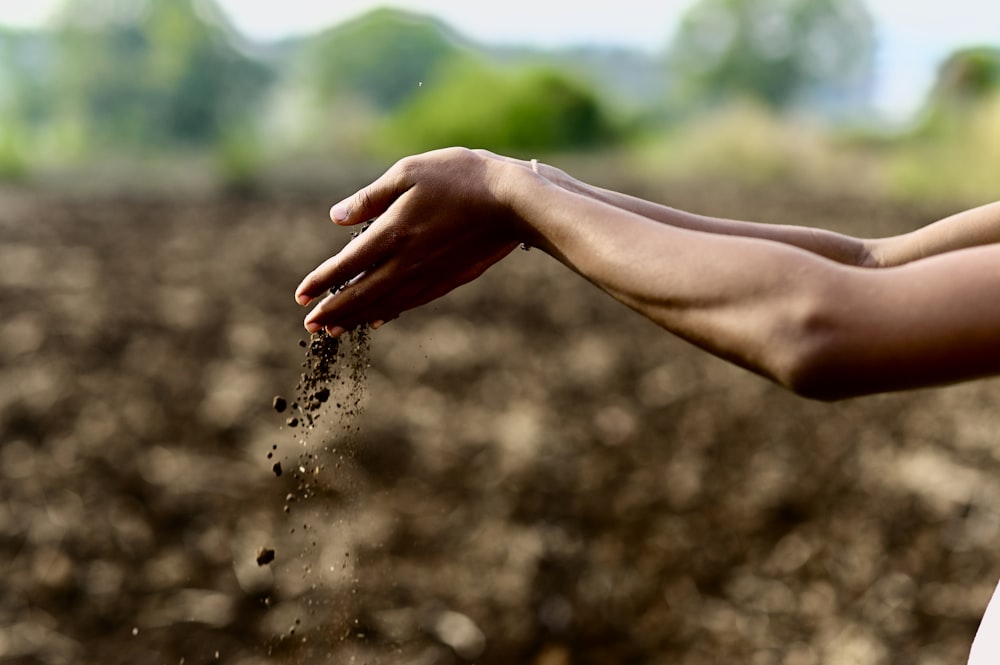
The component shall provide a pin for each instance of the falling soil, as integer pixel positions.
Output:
(331, 365)
(328, 398)
(265, 556)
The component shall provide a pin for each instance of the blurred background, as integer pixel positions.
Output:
(773, 90)
(537, 475)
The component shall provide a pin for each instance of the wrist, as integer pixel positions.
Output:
(527, 193)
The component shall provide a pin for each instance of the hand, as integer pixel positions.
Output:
(440, 220)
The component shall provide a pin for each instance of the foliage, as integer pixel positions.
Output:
(13, 160)
(781, 52)
(966, 80)
(380, 57)
(25, 68)
(238, 157)
(145, 79)
(478, 105)
(954, 149)
(152, 73)
(746, 142)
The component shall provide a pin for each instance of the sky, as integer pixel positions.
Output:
(914, 35)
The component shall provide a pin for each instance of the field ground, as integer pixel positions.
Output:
(540, 476)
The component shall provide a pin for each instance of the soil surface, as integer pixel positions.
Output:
(522, 472)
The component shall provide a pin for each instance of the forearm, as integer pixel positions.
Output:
(817, 327)
(737, 297)
(970, 228)
(828, 244)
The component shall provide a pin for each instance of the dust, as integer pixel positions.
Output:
(321, 418)
(330, 395)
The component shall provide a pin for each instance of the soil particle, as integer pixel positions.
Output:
(330, 364)
(330, 394)
(265, 555)
(279, 404)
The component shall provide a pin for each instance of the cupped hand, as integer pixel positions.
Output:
(439, 220)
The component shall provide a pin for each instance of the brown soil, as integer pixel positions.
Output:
(538, 475)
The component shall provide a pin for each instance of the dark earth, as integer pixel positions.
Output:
(522, 472)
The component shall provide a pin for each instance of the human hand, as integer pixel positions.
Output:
(440, 220)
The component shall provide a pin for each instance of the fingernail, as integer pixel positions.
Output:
(375, 325)
(334, 331)
(339, 212)
(312, 326)
(303, 299)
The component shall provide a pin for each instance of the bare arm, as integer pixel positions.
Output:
(971, 228)
(829, 244)
(815, 325)
(818, 327)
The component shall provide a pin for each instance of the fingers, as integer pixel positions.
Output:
(332, 314)
(362, 252)
(366, 299)
(375, 199)
(351, 261)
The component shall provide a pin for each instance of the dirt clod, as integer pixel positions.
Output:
(265, 555)
(277, 469)
(279, 404)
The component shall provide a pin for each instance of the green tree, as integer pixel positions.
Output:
(483, 106)
(153, 73)
(381, 57)
(783, 52)
(958, 133)
(25, 98)
(965, 80)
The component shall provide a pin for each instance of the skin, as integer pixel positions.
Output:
(826, 315)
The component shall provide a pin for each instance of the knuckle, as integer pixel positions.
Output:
(408, 168)
(311, 285)
(365, 200)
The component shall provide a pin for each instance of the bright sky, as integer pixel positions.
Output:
(915, 34)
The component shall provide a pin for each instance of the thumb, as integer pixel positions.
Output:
(370, 202)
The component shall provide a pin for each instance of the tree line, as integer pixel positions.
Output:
(140, 77)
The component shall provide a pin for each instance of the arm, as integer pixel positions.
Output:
(819, 327)
(971, 228)
(834, 246)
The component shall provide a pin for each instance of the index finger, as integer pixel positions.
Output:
(361, 253)
(373, 200)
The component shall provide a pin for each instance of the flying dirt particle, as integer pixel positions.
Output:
(135, 631)
(292, 421)
(279, 403)
(265, 555)
(277, 469)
